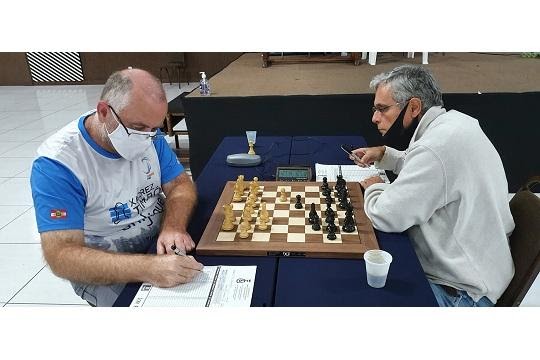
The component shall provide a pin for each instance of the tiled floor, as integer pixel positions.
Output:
(28, 115)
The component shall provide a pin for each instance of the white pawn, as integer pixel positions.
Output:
(283, 197)
(244, 228)
(264, 212)
(262, 223)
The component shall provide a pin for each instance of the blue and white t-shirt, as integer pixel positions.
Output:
(76, 184)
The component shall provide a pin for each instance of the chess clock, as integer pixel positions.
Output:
(293, 173)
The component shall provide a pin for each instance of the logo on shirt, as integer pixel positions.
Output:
(147, 168)
(58, 213)
(119, 212)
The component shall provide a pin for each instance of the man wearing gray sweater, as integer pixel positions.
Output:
(451, 193)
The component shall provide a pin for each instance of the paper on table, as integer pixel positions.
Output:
(214, 286)
(349, 172)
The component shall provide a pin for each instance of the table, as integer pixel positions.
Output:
(268, 58)
(285, 281)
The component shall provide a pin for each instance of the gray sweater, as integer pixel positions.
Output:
(452, 197)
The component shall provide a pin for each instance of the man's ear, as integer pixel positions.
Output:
(416, 106)
(102, 110)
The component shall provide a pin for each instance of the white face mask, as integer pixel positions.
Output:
(129, 143)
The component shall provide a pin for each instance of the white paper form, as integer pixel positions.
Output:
(214, 286)
(349, 172)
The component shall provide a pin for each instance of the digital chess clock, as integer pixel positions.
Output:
(293, 173)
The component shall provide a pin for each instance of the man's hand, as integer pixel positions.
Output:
(172, 270)
(370, 181)
(367, 156)
(168, 238)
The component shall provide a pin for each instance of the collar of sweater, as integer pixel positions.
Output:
(430, 115)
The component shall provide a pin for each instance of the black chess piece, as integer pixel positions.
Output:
(348, 228)
(330, 217)
(343, 203)
(331, 226)
(326, 192)
(328, 199)
(324, 183)
(298, 204)
(312, 213)
(328, 210)
(339, 182)
(348, 223)
(331, 235)
(343, 183)
(316, 226)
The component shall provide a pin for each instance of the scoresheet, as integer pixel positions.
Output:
(349, 172)
(214, 286)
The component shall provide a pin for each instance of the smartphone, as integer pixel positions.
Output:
(349, 150)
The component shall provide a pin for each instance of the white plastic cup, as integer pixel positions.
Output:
(377, 265)
(251, 136)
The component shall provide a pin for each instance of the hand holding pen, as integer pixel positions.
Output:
(177, 251)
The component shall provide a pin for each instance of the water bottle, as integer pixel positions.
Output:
(204, 87)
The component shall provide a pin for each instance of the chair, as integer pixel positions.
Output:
(175, 114)
(524, 243)
(179, 65)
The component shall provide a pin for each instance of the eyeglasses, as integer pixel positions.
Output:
(150, 135)
(384, 108)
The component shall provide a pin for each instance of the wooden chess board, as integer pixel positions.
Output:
(289, 232)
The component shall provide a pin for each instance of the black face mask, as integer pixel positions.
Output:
(397, 136)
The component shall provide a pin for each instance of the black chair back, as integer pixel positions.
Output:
(524, 243)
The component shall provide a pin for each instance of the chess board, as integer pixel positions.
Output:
(289, 232)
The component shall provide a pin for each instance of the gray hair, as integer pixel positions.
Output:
(117, 90)
(407, 81)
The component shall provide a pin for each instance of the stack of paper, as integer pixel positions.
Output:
(349, 172)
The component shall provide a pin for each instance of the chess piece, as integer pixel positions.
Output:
(249, 208)
(329, 211)
(262, 223)
(330, 217)
(328, 199)
(229, 218)
(244, 228)
(298, 204)
(264, 212)
(283, 196)
(316, 226)
(240, 180)
(245, 184)
(324, 183)
(343, 203)
(331, 235)
(312, 213)
(253, 199)
(246, 215)
(340, 183)
(331, 227)
(254, 185)
(251, 149)
(238, 191)
(326, 192)
(348, 225)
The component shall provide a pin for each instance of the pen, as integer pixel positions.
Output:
(180, 253)
(177, 251)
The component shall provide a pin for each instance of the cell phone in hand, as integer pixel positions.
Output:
(349, 150)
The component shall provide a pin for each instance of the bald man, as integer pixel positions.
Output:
(107, 187)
